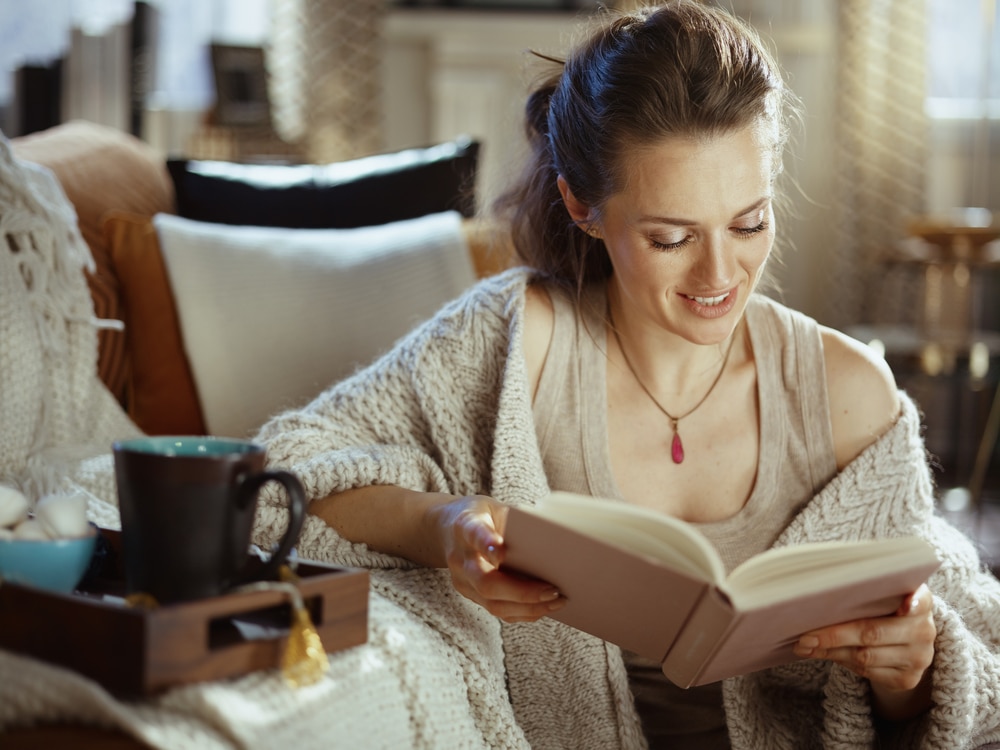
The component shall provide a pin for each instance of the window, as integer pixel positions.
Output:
(963, 60)
(963, 104)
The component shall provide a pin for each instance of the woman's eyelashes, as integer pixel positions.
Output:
(750, 231)
(671, 244)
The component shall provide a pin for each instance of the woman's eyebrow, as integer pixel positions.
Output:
(676, 222)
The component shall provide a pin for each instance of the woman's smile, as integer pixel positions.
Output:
(708, 306)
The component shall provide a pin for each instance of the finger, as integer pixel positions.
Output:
(501, 585)
(511, 597)
(876, 632)
(480, 536)
(899, 677)
(913, 623)
(863, 660)
(512, 612)
(917, 603)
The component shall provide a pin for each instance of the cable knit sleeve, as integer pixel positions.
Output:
(887, 491)
(423, 416)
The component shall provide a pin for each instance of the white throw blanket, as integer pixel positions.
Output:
(53, 407)
(448, 409)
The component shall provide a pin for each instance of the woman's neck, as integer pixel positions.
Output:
(668, 364)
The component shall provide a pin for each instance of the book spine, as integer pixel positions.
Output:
(703, 633)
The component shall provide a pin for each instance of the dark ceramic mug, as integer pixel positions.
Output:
(187, 507)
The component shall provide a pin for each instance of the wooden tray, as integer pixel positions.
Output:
(134, 651)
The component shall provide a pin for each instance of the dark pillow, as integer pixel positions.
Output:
(362, 192)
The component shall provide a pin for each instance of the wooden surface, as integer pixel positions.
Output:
(134, 651)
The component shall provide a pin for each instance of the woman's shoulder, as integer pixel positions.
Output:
(490, 301)
(539, 324)
(864, 397)
(862, 392)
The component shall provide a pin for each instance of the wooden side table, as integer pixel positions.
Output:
(948, 362)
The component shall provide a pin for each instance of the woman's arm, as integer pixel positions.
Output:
(463, 534)
(388, 519)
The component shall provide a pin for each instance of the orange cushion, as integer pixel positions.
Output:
(162, 397)
(99, 168)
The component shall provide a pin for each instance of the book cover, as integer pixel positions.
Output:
(654, 585)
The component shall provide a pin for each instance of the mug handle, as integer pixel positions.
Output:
(296, 514)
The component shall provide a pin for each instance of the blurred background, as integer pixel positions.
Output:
(894, 182)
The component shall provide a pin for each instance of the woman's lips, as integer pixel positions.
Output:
(710, 305)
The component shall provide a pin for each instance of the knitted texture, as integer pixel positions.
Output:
(53, 407)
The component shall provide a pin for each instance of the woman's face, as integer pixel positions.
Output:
(691, 231)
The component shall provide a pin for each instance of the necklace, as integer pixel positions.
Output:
(676, 445)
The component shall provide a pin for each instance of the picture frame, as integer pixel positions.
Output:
(242, 98)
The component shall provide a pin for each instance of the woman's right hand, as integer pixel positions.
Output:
(471, 531)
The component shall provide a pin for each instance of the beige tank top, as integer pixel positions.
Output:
(796, 460)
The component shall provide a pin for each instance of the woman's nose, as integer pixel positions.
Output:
(716, 264)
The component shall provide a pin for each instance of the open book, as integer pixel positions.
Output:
(655, 585)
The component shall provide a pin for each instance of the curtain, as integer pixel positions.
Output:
(881, 155)
(324, 62)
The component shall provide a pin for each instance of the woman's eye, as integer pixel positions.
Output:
(750, 231)
(667, 244)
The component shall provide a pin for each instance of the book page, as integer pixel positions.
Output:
(790, 572)
(637, 529)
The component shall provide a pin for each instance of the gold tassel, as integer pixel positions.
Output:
(305, 660)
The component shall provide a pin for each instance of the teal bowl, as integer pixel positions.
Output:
(50, 564)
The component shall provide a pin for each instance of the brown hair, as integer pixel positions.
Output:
(681, 69)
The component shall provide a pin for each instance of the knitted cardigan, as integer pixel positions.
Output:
(448, 409)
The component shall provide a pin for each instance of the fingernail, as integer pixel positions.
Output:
(557, 604)
(806, 645)
(549, 594)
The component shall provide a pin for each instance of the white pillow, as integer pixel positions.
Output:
(271, 316)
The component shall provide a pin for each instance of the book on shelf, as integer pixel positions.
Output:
(142, 46)
(656, 586)
(36, 102)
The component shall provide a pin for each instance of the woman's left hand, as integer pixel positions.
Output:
(893, 653)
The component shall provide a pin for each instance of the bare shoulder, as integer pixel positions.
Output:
(539, 321)
(864, 399)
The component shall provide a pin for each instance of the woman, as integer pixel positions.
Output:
(635, 362)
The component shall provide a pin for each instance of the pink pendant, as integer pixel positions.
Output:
(677, 449)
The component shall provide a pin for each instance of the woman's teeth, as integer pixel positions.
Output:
(708, 301)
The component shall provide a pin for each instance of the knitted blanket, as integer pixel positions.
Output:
(54, 409)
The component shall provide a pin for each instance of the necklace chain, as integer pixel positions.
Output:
(677, 448)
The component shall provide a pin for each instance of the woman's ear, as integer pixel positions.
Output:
(578, 211)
